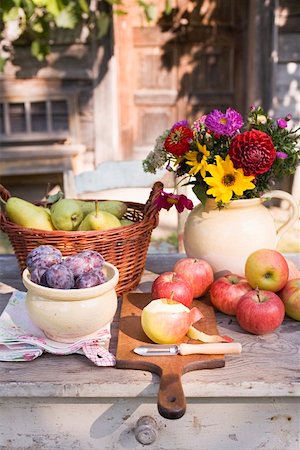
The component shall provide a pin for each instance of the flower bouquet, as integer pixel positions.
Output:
(225, 158)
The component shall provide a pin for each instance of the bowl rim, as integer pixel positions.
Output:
(75, 294)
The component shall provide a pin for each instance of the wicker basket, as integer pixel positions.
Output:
(125, 247)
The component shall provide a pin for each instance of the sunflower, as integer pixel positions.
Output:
(225, 180)
(198, 160)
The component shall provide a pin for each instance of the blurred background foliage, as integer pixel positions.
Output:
(36, 21)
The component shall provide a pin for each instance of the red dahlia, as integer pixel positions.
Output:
(178, 140)
(253, 151)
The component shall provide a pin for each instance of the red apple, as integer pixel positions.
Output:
(290, 295)
(197, 272)
(260, 312)
(267, 269)
(173, 286)
(226, 292)
(167, 322)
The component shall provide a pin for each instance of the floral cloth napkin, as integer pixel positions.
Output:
(21, 340)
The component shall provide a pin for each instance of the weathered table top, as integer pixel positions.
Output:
(268, 366)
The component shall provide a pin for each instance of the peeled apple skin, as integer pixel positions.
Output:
(166, 321)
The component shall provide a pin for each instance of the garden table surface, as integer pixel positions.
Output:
(66, 402)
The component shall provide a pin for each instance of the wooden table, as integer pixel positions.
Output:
(65, 402)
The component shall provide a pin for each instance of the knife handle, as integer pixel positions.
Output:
(210, 349)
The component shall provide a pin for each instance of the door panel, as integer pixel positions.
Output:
(179, 68)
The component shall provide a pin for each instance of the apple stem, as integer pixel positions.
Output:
(172, 295)
(257, 293)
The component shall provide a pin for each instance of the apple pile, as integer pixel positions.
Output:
(190, 278)
(260, 299)
(168, 317)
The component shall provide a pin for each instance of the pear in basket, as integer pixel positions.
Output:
(28, 215)
(99, 220)
(115, 207)
(66, 214)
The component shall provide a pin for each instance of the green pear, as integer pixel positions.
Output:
(115, 207)
(28, 215)
(86, 206)
(99, 220)
(66, 214)
(125, 222)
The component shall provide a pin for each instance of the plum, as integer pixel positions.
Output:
(58, 276)
(37, 274)
(89, 279)
(84, 261)
(43, 256)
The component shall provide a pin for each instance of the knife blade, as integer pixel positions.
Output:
(188, 349)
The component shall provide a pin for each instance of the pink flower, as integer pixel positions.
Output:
(281, 155)
(198, 123)
(166, 201)
(282, 123)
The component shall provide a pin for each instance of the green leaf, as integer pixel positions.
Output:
(2, 64)
(28, 8)
(55, 7)
(168, 7)
(39, 3)
(37, 27)
(55, 197)
(103, 22)
(11, 14)
(200, 193)
(67, 18)
(84, 6)
(114, 2)
(39, 50)
(120, 12)
(149, 10)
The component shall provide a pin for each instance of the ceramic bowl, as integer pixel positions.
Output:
(67, 315)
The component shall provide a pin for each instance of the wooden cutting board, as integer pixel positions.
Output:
(171, 400)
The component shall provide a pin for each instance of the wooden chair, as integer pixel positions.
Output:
(128, 174)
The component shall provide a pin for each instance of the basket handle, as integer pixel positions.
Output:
(150, 209)
(4, 196)
(4, 193)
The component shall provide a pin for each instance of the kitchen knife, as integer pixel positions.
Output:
(189, 349)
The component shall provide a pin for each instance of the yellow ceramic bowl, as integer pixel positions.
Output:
(67, 315)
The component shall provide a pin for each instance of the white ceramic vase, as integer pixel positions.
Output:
(226, 237)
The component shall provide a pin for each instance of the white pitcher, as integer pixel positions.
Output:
(226, 237)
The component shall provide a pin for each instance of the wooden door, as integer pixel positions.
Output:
(183, 66)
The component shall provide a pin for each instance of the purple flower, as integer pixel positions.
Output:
(288, 117)
(181, 123)
(166, 201)
(224, 124)
(282, 123)
(281, 155)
